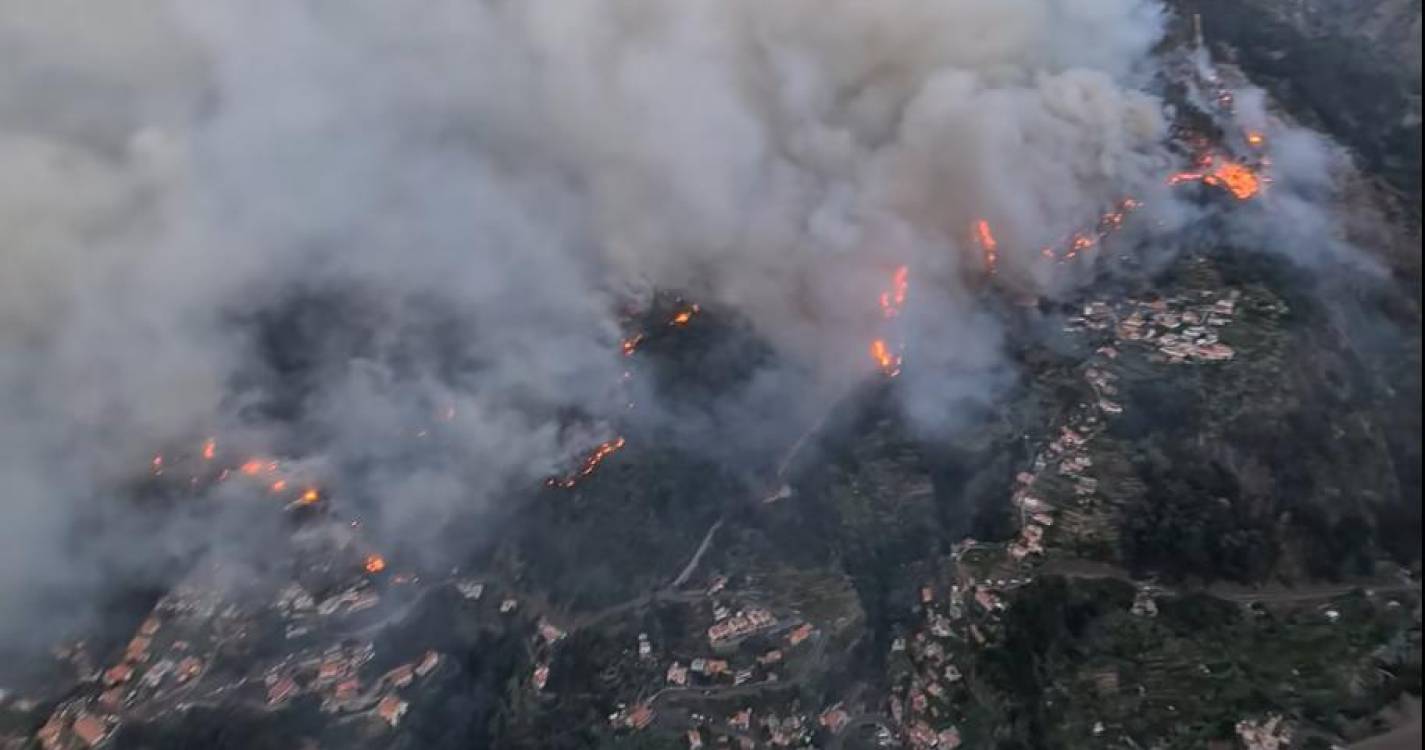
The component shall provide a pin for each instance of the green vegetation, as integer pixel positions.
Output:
(1073, 656)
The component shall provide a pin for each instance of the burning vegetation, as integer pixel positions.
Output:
(888, 359)
(589, 464)
(892, 301)
(989, 247)
(1235, 177)
(685, 315)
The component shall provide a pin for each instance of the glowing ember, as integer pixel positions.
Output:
(685, 315)
(630, 344)
(589, 464)
(309, 496)
(889, 363)
(1080, 242)
(894, 300)
(988, 246)
(374, 564)
(1255, 139)
(279, 485)
(210, 449)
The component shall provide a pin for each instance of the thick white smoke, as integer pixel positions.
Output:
(175, 168)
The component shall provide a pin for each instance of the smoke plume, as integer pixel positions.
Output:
(311, 227)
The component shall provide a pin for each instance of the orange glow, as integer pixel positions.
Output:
(630, 344)
(889, 363)
(309, 496)
(279, 485)
(1255, 138)
(210, 449)
(894, 300)
(1235, 178)
(589, 464)
(1080, 243)
(252, 467)
(988, 245)
(685, 315)
(374, 563)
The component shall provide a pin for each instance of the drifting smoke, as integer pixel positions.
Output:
(312, 227)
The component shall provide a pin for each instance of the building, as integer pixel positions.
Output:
(801, 633)
(471, 590)
(391, 709)
(400, 676)
(550, 633)
(137, 649)
(739, 625)
(280, 690)
(677, 674)
(429, 661)
(834, 719)
(118, 674)
(188, 668)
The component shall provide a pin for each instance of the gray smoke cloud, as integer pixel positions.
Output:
(472, 189)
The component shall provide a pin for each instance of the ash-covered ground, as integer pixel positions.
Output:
(1189, 516)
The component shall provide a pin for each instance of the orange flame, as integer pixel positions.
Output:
(894, 300)
(589, 464)
(685, 315)
(255, 466)
(1235, 178)
(210, 449)
(279, 485)
(1255, 138)
(374, 563)
(889, 363)
(309, 496)
(630, 344)
(988, 246)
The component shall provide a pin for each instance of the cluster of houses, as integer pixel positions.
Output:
(922, 712)
(740, 625)
(1181, 328)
